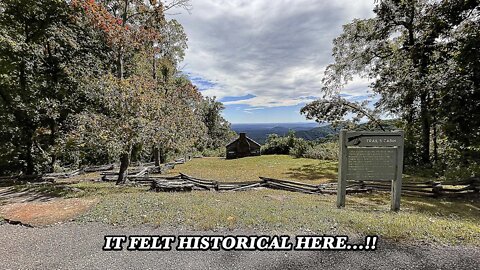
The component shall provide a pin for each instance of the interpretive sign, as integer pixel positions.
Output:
(371, 156)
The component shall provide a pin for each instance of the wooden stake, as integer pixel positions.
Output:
(342, 171)
(397, 183)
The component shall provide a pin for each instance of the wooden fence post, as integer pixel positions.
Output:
(397, 182)
(342, 169)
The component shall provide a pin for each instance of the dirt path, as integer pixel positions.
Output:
(79, 246)
(39, 209)
(46, 212)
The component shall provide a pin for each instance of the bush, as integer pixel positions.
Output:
(324, 151)
(457, 163)
(276, 145)
(219, 152)
(300, 147)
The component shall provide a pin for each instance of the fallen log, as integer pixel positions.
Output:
(171, 186)
(277, 185)
(169, 166)
(109, 178)
(197, 180)
(179, 161)
(98, 168)
(289, 182)
(239, 186)
(63, 175)
(245, 187)
(146, 170)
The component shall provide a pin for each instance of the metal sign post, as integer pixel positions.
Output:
(371, 156)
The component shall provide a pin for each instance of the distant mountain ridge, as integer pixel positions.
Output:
(307, 131)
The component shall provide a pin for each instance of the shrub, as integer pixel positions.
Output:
(324, 151)
(284, 145)
(219, 152)
(276, 145)
(457, 163)
(300, 147)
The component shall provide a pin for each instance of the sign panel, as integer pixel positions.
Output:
(383, 139)
(371, 163)
(371, 156)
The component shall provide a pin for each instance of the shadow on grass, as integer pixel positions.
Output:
(33, 193)
(314, 172)
(8, 183)
(465, 207)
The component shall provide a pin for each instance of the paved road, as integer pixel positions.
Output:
(79, 246)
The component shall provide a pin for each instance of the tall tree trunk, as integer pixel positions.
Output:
(162, 155)
(156, 155)
(30, 163)
(125, 157)
(124, 163)
(120, 64)
(120, 51)
(136, 155)
(425, 121)
(154, 67)
(30, 169)
(435, 140)
(53, 134)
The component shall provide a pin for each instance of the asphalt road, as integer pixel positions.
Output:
(79, 246)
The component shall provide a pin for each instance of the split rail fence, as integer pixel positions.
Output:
(151, 175)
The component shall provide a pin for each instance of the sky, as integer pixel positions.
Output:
(265, 59)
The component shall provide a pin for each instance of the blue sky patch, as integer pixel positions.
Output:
(241, 113)
(227, 99)
(201, 83)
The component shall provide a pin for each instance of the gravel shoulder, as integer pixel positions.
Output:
(79, 246)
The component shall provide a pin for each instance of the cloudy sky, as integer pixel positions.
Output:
(265, 59)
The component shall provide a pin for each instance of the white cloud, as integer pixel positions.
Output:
(271, 101)
(275, 50)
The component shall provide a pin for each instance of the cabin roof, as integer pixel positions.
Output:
(250, 140)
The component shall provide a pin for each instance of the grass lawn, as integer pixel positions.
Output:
(425, 219)
(434, 220)
(250, 168)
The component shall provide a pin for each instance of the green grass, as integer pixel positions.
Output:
(272, 211)
(425, 219)
(250, 168)
(449, 221)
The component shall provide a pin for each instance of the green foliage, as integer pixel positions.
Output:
(300, 148)
(323, 151)
(42, 61)
(277, 145)
(92, 82)
(335, 109)
(218, 129)
(422, 58)
(457, 163)
(219, 152)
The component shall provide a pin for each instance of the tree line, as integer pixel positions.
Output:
(423, 61)
(92, 82)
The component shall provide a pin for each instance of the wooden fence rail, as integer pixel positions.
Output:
(147, 175)
(423, 189)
